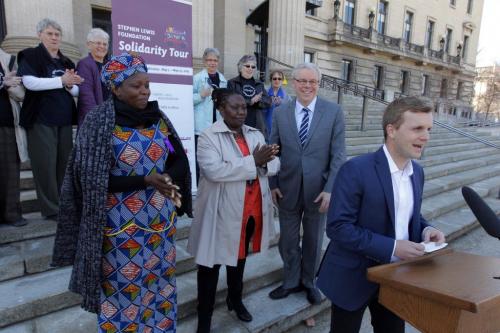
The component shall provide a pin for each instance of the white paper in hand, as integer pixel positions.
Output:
(432, 246)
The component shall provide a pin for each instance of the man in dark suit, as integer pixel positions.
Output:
(375, 218)
(310, 132)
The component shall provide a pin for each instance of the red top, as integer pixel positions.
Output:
(252, 207)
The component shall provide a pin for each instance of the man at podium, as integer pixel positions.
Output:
(374, 218)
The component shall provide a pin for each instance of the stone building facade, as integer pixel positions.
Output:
(412, 47)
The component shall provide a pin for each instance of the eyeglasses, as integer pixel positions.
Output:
(277, 79)
(100, 43)
(250, 66)
(304, 82)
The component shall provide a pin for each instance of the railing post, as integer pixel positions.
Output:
(364, 113)
(340, 96)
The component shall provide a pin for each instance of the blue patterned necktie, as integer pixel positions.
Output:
(303, 126)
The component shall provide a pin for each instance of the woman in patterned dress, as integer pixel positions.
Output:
(124, 179)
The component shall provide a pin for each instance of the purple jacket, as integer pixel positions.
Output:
(91, 89)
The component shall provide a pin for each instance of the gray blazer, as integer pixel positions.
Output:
(318, 161)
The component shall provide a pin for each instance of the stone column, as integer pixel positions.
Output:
(230, 34)
(286, 31)
(22, 17)
(203, 29)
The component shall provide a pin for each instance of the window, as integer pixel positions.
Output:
(308, 57)
(311, 11)
(382, 14)
(3, 25)
(453, 2)
(405, 82)
(428, 34)
(469, 6)
(459, 89)
(102, 19)
(349, 10)
(425, 85)
(444, 88)
(449, 35)
(407, 26)
(378, 73)
(346, 70)
(465, 46)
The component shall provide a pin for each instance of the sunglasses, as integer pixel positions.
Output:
(277, 78)
(250, 66)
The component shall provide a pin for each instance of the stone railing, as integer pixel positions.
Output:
(371, 39)
(389, 41)
(436, 54)
(356, 31)
(414, 48)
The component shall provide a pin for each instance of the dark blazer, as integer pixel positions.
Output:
(91, 89)
(316, 164)
(360, 226)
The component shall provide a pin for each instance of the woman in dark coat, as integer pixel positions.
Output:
(253, 92)
(117, 219)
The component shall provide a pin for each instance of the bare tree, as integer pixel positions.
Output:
(487, 98)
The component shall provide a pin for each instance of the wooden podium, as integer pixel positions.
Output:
(443, 292)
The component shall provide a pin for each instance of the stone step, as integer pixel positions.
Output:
(39, 294)
(38, 227)
(270, 316)
(451, 182)
(29, 201)
(20, 255)
(436, 132)
(477, 153)
(431, 150)
(294, 310)
(35, 255)
(445, 202)
(437, 140)
(26, 180)
(445, 169)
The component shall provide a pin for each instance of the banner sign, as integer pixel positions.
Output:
(160, 31)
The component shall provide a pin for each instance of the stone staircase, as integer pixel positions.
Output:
(35, 298)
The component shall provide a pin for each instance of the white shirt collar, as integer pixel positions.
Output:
(311, 106)
(393, 168)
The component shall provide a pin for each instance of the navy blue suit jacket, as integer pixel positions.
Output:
(361, 228)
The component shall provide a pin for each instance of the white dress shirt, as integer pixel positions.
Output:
(299, 114)
(402, 189)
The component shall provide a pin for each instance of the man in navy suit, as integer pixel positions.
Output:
(374, 218)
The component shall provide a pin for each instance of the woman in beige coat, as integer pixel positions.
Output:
(13, 144)
(234, 204)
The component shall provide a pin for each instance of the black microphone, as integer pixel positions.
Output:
(484, 214)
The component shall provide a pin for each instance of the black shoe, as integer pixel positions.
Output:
(51, 217)
(282, 292)
(313, 295)
(19, 223)
(240, 309)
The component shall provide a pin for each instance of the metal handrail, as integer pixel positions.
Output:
(356, 88)
(337, 83)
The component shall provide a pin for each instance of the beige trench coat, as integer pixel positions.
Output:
(16, 96)
(218, 211)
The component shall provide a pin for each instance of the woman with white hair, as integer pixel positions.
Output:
(48, 112)
(92, 91)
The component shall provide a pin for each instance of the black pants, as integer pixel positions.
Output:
(382, 320)
(207, 284)
(10, 205)
(196, 159)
